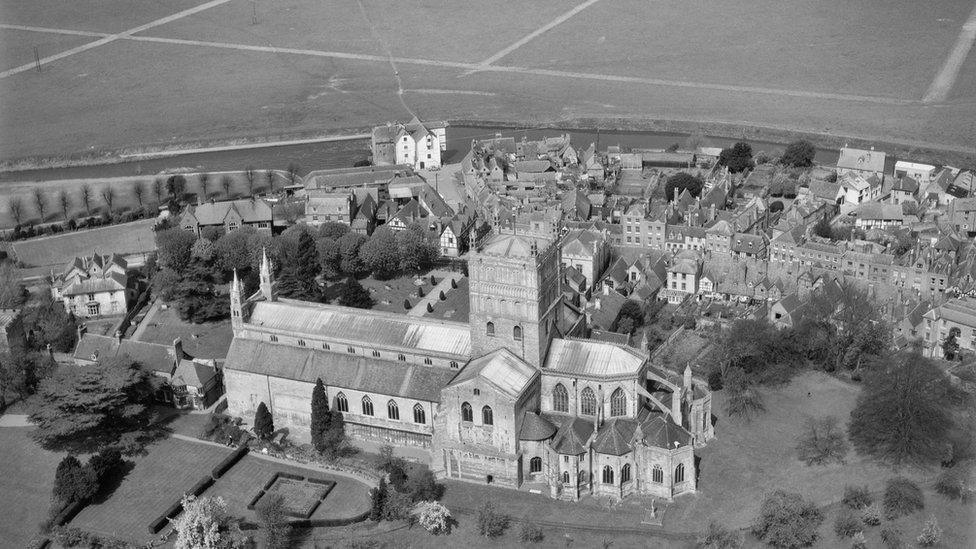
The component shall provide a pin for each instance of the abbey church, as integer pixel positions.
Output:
(515, 397)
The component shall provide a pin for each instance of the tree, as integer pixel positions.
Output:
(299, 268)
(629, 317)
(226, 183)
(799, 154)
(86, 197)
(737, 158)
(203, 179)
(680, 182)
(40, 202)
(786, 520)
(293, 170)
(174, 247)
(931, 533)
(176, 187)
(64, 201)
(776, 206)
(203, 250)
(349, 245)
(434, 517)
(901, 414)
(16, 207)
(13, 294)
(329, 256)
(157, 190)
(250, 174)
(333, 230)
(139, 191)
(381, 254)
(73, 482)
(89, 406)
(48, 323)
(263, 422)
(108, 196)
(719, 536)
(269, 175)
(271, 515)
(354, 295)
(205, 524)
(417, 250)
(822, 442)
(950, 346)
(321, 417)
(196, 295)
(491, 523)
(901, 497)
(106, 464)
(742, 398)
(377, 497)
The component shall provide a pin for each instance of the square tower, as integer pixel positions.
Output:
(514, 296)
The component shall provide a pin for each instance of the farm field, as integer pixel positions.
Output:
(124, 239)
(832, 67)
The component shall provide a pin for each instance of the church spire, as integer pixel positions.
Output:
(266, 281)
(236, 302)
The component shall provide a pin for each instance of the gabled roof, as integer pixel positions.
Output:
(152, 356)
(193, 374)
(572, 434)
(614, 437)
(592, 359)
(111, 283)
(502, 369)
(660, 432)
(214, 213)
(860, 159)
(512, 245)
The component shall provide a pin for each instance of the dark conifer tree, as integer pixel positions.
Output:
(299, 269)
(321, 417)
(354, 295)
(263, 422)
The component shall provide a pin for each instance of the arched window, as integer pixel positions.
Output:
(565, 477)
(679, 473)
(367, 406)
(341, 403)
(657, 474)
(419, 415)
(581, 478)
(466, 414)
(607, 474)
(560, 398)
(490, 329)
(625, 473)
(618, 403)
(517, 333)
(588, 402)
(392, 410)
(535, 465)
(486, 416)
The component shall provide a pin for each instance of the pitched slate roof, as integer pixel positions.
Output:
(501, 368)
(343, 370)
(193, 374)
(661, 432)
(592, 358)
(536, 427)
(572, 434)
(860, 159)
(214, 213)
(614, 436)
(111, 283)
(152, 356)
(512, 245)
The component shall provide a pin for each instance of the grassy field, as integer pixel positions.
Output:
(388, 295)
(670, 56)
(207, 340)
(58, 250)
(17, 46)
(26, 482)
(457, 305)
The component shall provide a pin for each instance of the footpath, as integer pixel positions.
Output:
(433, 296)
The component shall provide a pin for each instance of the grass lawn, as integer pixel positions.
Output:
(58, 250)
(207, 340)
(90, 15)
(26, 482)
(388, 295)
(17, 46)
(456, 307)
(747, 459)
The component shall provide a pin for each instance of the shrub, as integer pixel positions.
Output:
(434, 517)
(715, 379)
(872, 515)
(822, 442)
(377, 497)
(786, 520)
(441, 296)
(106, 464)
(491, 523)
(531, 533)
(430, 308)
(453, 284)
(857, 497)
(952, 483)
(422, 486)
(271, 514)
(858, 541)
(433, 281)
(931, 533)
(420, 291)
(846, 524)
(73, 482)
(719, 536)
(396, 505)
(263, 422)
(891, 537)
(902, 497)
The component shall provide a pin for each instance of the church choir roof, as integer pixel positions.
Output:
(501, 368)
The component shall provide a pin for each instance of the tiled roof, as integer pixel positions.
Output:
(572, 435)
(501, 368)
(859, 159)
(614, 436)
(592, 358)
(193, 374)
(355, 177)
(536, 427)
(358, 325)
(153, 356)
(214, 213)
(111, 283)
(661, 432)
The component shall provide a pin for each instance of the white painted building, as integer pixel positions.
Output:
(414, 144)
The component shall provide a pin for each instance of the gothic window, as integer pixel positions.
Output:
(341, 403)
(428, 361)
(490, 329)
(376, 353)
(679, 473)
(367, 406)
(274, 338)
(392, 410)
(587, 402)
(565, 477)
(581, 478)
(466, 414)
(517, 333)
(535, 465)
(560, 398)
(486, 416)
(618, 403)
(607, 474)
(625, 473)
(657, 474)
(419, 415)
(401, 358)
(301, 342)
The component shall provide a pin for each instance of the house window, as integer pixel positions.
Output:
(618, 403)
(428, 361)
(490, 329)
(93, 309)
(401, 357)
(657, 474)
(517, 333)
(392, 410)
(487, 417)
(91, 297)
(376, 353)
(351, 350)
(535, 465)
(588, 402)
(607, 474)
(325, 346)
(477, 391)
(454, 364)
(367, 406)
(419, 415)
(625, 473)
(301, 342)
(341, 403)
(466, 414)
(679, 473)
(565, 477)
(560, 398)
(274, 338)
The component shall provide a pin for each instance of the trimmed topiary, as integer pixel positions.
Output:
(430, 308)
(531, 533)
(406, 304)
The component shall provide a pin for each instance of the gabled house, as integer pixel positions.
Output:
(337, 207)
(228, 215)
(94, 286)
(414, 143)
(904, 189)
(588, 251)
(861, 162)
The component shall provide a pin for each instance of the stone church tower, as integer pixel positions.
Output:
(514, 296)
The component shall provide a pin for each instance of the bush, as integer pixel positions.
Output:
(106, 464)
(872, 515)
(441, 296)
(76, 537)
(491, 523)
(422, 486)
(406, 304)
(396, 505)
(902, 497)
(531, 533)
(715, 379)
(859, 542)
(857, 497)
(931, 533)
(891, 537)
(847, 524)
(377, 497)
(952, 483)
(719, 536)
(263, 422)
(73, 482)
(786, 520)
(434, 517)
(430, 308)
(822, 442)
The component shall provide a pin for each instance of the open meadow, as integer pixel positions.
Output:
(128, 74)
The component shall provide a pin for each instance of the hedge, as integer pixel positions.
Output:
(229, 462)
(200, 487)
(255, 500)
(158, 524)
(68, 513)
